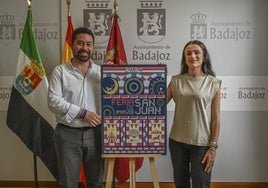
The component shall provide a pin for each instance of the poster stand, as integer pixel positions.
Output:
(132, 174)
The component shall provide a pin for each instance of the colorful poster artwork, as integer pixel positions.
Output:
(134, 109)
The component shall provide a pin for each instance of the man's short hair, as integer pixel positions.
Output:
(80, 30)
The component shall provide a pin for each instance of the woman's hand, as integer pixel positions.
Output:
(209, 159)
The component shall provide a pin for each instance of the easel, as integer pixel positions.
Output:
(132, 180)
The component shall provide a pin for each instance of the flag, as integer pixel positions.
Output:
(116, 53)
(115, 50)
(28, 115)
(67, 55)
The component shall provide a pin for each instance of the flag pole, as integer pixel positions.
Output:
(29, 2)
(35, 172)
(115, 6)
(68, 2)
(115, 11)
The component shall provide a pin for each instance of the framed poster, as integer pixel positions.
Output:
(134, 109)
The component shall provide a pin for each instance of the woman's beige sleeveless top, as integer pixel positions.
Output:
(193, 98)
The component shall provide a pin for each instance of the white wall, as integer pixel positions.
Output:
(242, 155)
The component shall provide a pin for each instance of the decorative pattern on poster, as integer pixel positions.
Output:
(134, 109)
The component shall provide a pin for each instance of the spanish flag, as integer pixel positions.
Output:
(67, 53)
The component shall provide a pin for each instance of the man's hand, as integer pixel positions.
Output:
(92, 119)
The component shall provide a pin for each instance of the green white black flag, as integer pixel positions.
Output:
(28, 115)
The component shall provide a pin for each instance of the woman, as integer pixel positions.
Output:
(196, 124)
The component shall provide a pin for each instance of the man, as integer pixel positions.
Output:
(74, 96)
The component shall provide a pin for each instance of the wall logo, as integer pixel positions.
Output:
(229, 30)
(198, 28)
(151, 21)
(9, 31)
(7, 27)
(97, 18)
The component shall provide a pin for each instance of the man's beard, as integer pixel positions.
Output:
(82, 57)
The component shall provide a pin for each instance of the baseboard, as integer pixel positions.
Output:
(28, 184)
(138, 184)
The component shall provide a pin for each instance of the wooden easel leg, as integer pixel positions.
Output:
(154, 173)
(110, 171)
(132, 178)
(132, 172)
